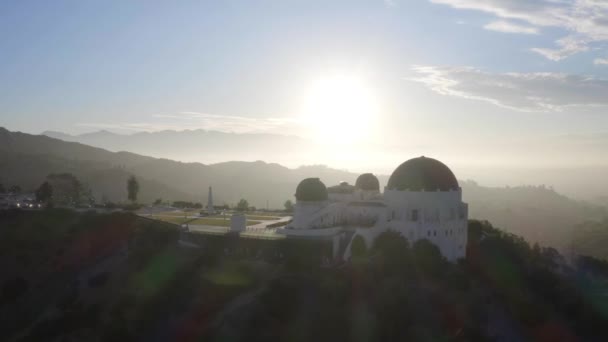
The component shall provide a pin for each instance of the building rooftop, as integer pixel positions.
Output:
(423, 174)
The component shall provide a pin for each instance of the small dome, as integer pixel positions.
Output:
(422, 174)
(343, 188)
(311, 189)
(368, 181)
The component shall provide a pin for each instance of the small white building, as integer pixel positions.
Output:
(238, 222)
(422, 200)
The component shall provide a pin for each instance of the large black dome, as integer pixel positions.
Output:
(311, 189)
(368, 181)
(423, 174)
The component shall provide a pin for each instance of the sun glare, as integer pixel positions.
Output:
(340, 108)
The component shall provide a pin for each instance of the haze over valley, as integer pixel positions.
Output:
(568, 176)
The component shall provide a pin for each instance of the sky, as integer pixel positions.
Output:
(472, 82)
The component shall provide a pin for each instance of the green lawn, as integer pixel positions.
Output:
(218, 222)
(177, 213)
(262, 218)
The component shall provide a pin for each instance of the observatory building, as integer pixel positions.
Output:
(422, 200)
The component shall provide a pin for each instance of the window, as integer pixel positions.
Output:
(428, 233)
(415, 215)
(434, 233)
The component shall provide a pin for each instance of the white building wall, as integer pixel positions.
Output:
(442, 218)
(304, 213)
(365, 214)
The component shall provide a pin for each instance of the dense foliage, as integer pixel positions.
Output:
(506, 289)
(44, 193)
(243, 205)
(71, 276)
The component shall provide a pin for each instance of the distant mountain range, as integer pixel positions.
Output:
(535, 212)
(196, 145)
(27, 159)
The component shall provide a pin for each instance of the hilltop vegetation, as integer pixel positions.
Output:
(108, 277)
(68, 277)
(506, 289)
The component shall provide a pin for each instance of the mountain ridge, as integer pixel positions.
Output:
(194, 145)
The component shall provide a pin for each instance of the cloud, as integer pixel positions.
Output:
(568, 46)
(509, 27)
(585, 20)
(600, 61)
(529, 92)
(198, 120)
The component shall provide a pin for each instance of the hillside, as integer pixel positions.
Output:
(591, 238)
(118, 277)
(536, 212)
(29, 158)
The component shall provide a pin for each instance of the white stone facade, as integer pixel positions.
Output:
(438, 216)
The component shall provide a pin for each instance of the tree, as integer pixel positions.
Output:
(2, 189)
(288, 206)
(428, 258)
(243, 205)
(158, 201)
(393, 251)
(132, 188)
(44, 193)
(67, 189)
(87, 196)
(358, 247)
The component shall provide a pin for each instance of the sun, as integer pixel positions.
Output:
(340, 108)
